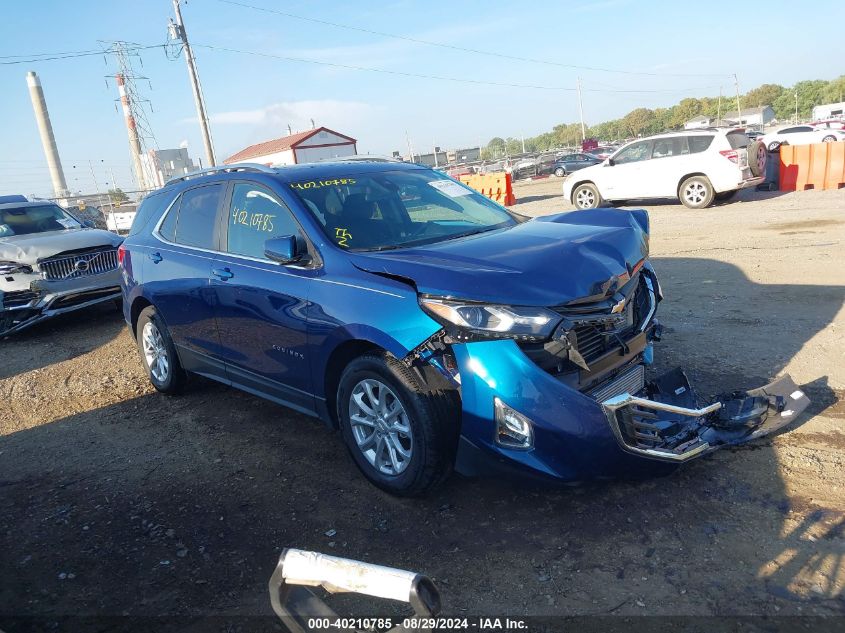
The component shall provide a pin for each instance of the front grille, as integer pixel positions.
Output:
(78, 265)
(598, 331)
(630, 381)
(18, 298)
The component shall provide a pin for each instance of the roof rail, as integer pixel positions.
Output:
(223, 169)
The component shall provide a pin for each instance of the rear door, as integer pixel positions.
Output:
(260, 304)
(177, 272)
(670, 161)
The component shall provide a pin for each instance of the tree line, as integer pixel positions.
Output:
(645, 121)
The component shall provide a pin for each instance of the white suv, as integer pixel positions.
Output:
(696, 166)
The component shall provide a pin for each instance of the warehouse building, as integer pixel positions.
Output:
(751, 117)
(304, 147)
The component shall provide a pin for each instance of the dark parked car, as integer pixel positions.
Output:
(50, 263)
(427, 323)
(573, 162)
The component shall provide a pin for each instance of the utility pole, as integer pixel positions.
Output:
(738, 109)
(410, 147)
(435, 148)
(719, 110)
(177, 31)
(581, 110)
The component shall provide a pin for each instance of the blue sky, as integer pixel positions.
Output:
(252, 98)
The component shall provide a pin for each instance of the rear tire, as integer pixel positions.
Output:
(586, 196)
(696, 192)
(560, 172)
(401, 434)
(158, 353)
(830, 138)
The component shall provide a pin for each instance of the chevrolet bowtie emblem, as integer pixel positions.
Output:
(618, 307)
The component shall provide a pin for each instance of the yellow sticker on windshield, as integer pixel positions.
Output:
(316, 184)
(342, 235)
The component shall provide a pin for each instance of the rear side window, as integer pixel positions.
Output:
(669, 146)
(698, 144)
(151, 207)
(738, 139)
(255, 216)
(197, 216)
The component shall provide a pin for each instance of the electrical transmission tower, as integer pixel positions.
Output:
(138, 128)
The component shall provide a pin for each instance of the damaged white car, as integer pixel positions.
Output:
(51, 263)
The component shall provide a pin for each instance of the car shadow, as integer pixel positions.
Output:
(60, 338)
(189, 500)
(536, 198)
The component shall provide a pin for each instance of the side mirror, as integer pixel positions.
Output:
(284, 250)
(608, 162)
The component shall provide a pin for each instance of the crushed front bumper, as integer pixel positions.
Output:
(23, 305)
(667, 422)
(581, 436)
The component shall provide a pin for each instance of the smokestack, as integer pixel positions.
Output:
(132, 131)
(45, 129)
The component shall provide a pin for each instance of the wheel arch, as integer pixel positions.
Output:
(690, 175)
(585, 181)
(138, 305)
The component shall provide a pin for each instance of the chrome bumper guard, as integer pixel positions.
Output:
(670, 432)
(615, 407)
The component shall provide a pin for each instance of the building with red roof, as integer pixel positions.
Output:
(303, 147)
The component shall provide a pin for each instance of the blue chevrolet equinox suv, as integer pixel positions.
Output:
(434, 328)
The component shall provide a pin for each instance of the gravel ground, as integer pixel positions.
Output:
(116, 501)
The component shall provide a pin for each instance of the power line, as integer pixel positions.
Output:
(462, 48)
(46, 57)
(419, 75)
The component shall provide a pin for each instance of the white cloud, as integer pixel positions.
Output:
(298, 114)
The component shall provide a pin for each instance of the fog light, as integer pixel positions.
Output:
(513, 430)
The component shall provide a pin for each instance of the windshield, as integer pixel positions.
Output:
(392, 209)
(35, 219)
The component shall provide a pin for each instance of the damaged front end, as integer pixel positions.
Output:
(54, 285)
(666, 421)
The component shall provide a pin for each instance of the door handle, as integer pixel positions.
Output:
(156, 257)
(222, 273)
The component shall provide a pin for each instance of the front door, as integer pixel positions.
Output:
(623, 178)
(260, 304)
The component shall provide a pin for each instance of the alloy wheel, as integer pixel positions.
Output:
(381, 426)
(585, 199)
(695, 193)
(155, 352)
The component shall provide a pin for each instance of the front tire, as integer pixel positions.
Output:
(830, 138)
(560, 172)
(401, 434)
(696, 192)
(586, 196)
(774, 146)
(158, 354)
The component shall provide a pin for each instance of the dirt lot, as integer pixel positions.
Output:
(115, 500)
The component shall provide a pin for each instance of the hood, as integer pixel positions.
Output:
(28, 249)
(543, 262)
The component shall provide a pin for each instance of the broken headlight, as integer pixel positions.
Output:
(495, 321)
(12, 268)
